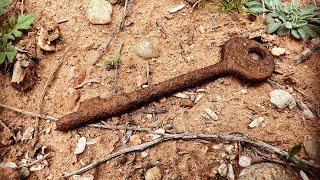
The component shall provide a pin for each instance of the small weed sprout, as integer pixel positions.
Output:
(11, 30)
(292, 161)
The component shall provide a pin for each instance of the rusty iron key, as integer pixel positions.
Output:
(236, 61)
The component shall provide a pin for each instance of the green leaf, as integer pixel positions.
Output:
(315, 29)
(5, 3)
(10, 52)
(9, 36)
(299, 23)
(2, 11)
(2, 57)
(295, 150)
(315, 20)
(116, 58)
(295, 33)
(282, 30)
(288, 25)
(252, 3)
(17, 33)
(108, 62)
(13, 21)
(272, 27)
(6, 26)
(25, 21)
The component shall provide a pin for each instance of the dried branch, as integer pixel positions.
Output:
(33, 163)
(106, 126)
(86, 82)
(115, 31)
(168, 137)
(32, 114)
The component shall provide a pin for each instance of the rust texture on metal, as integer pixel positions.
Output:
(235, 61)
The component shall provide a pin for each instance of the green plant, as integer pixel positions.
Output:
(114, 61)
(230, 5)
(292, 161)
(300, 22)
(11, 30)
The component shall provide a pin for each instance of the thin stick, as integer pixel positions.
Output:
(161, 28)
(106, 126)
(86, 82)
(115, 31)
(168, 137)
(116, 71)
(194, 5)
(183, 53)
(34, 162)
(32, 114)
(22, 7)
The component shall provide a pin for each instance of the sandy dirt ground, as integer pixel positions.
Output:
(202, 34)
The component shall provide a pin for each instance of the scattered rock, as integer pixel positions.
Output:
(282, 99)
(181, 95)
(153, 174)
(276, 51)
(211, 113)
(245, 161)
(198, 98)
(147, 50)
(223, 170)
(244, 91)
(144, 154)
(312, 148)
(24, 171)
(303, 175)
(99, 12)
(49, 33)
(160, 131)
(266, 171)
(302, 56)
(305, 109)
(217, 146)
(23, 75)
(27, 134)
(230, 174)
(37, 167)
(186, 103)
(83, 177)
(81, 145)
(9, 173)
(8, 165)
(201, 29)
(256, 122)
(177, 8)
(135, 140)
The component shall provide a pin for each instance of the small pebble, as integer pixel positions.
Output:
(245, 161)
(181, 95)
(147, 50)
(135, 140)
(198, 98)
(230, 174)
(244, 91)
(177, 8)
(312, 147)
(201, 29)
(211, 113)
(217, 146)
(256, 122)
(276, 51)
(223, 170)
(282, 99)
(81, 145)
(160, 131)
(144, 154)
(153, 174)
(99, 12)
(303, 175)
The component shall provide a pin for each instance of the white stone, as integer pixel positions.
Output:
(276, 51)
(230, 174)
(245, 161)
(147, 50)
(177, 8)
(223, 169)
(99, 12)
(211, 113)
(81, 145)
(144, 154)
(256, 122)
(303, 175)
(282, 99)
(181, 95)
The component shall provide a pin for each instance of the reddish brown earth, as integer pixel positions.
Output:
(185, 159)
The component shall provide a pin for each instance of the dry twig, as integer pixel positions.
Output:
(168, 137)
(34, 162)
(116, 71)
(116, 30)
(106, 126)
(194, 5)
(161, 28)
(86, 82)
(32, 114)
